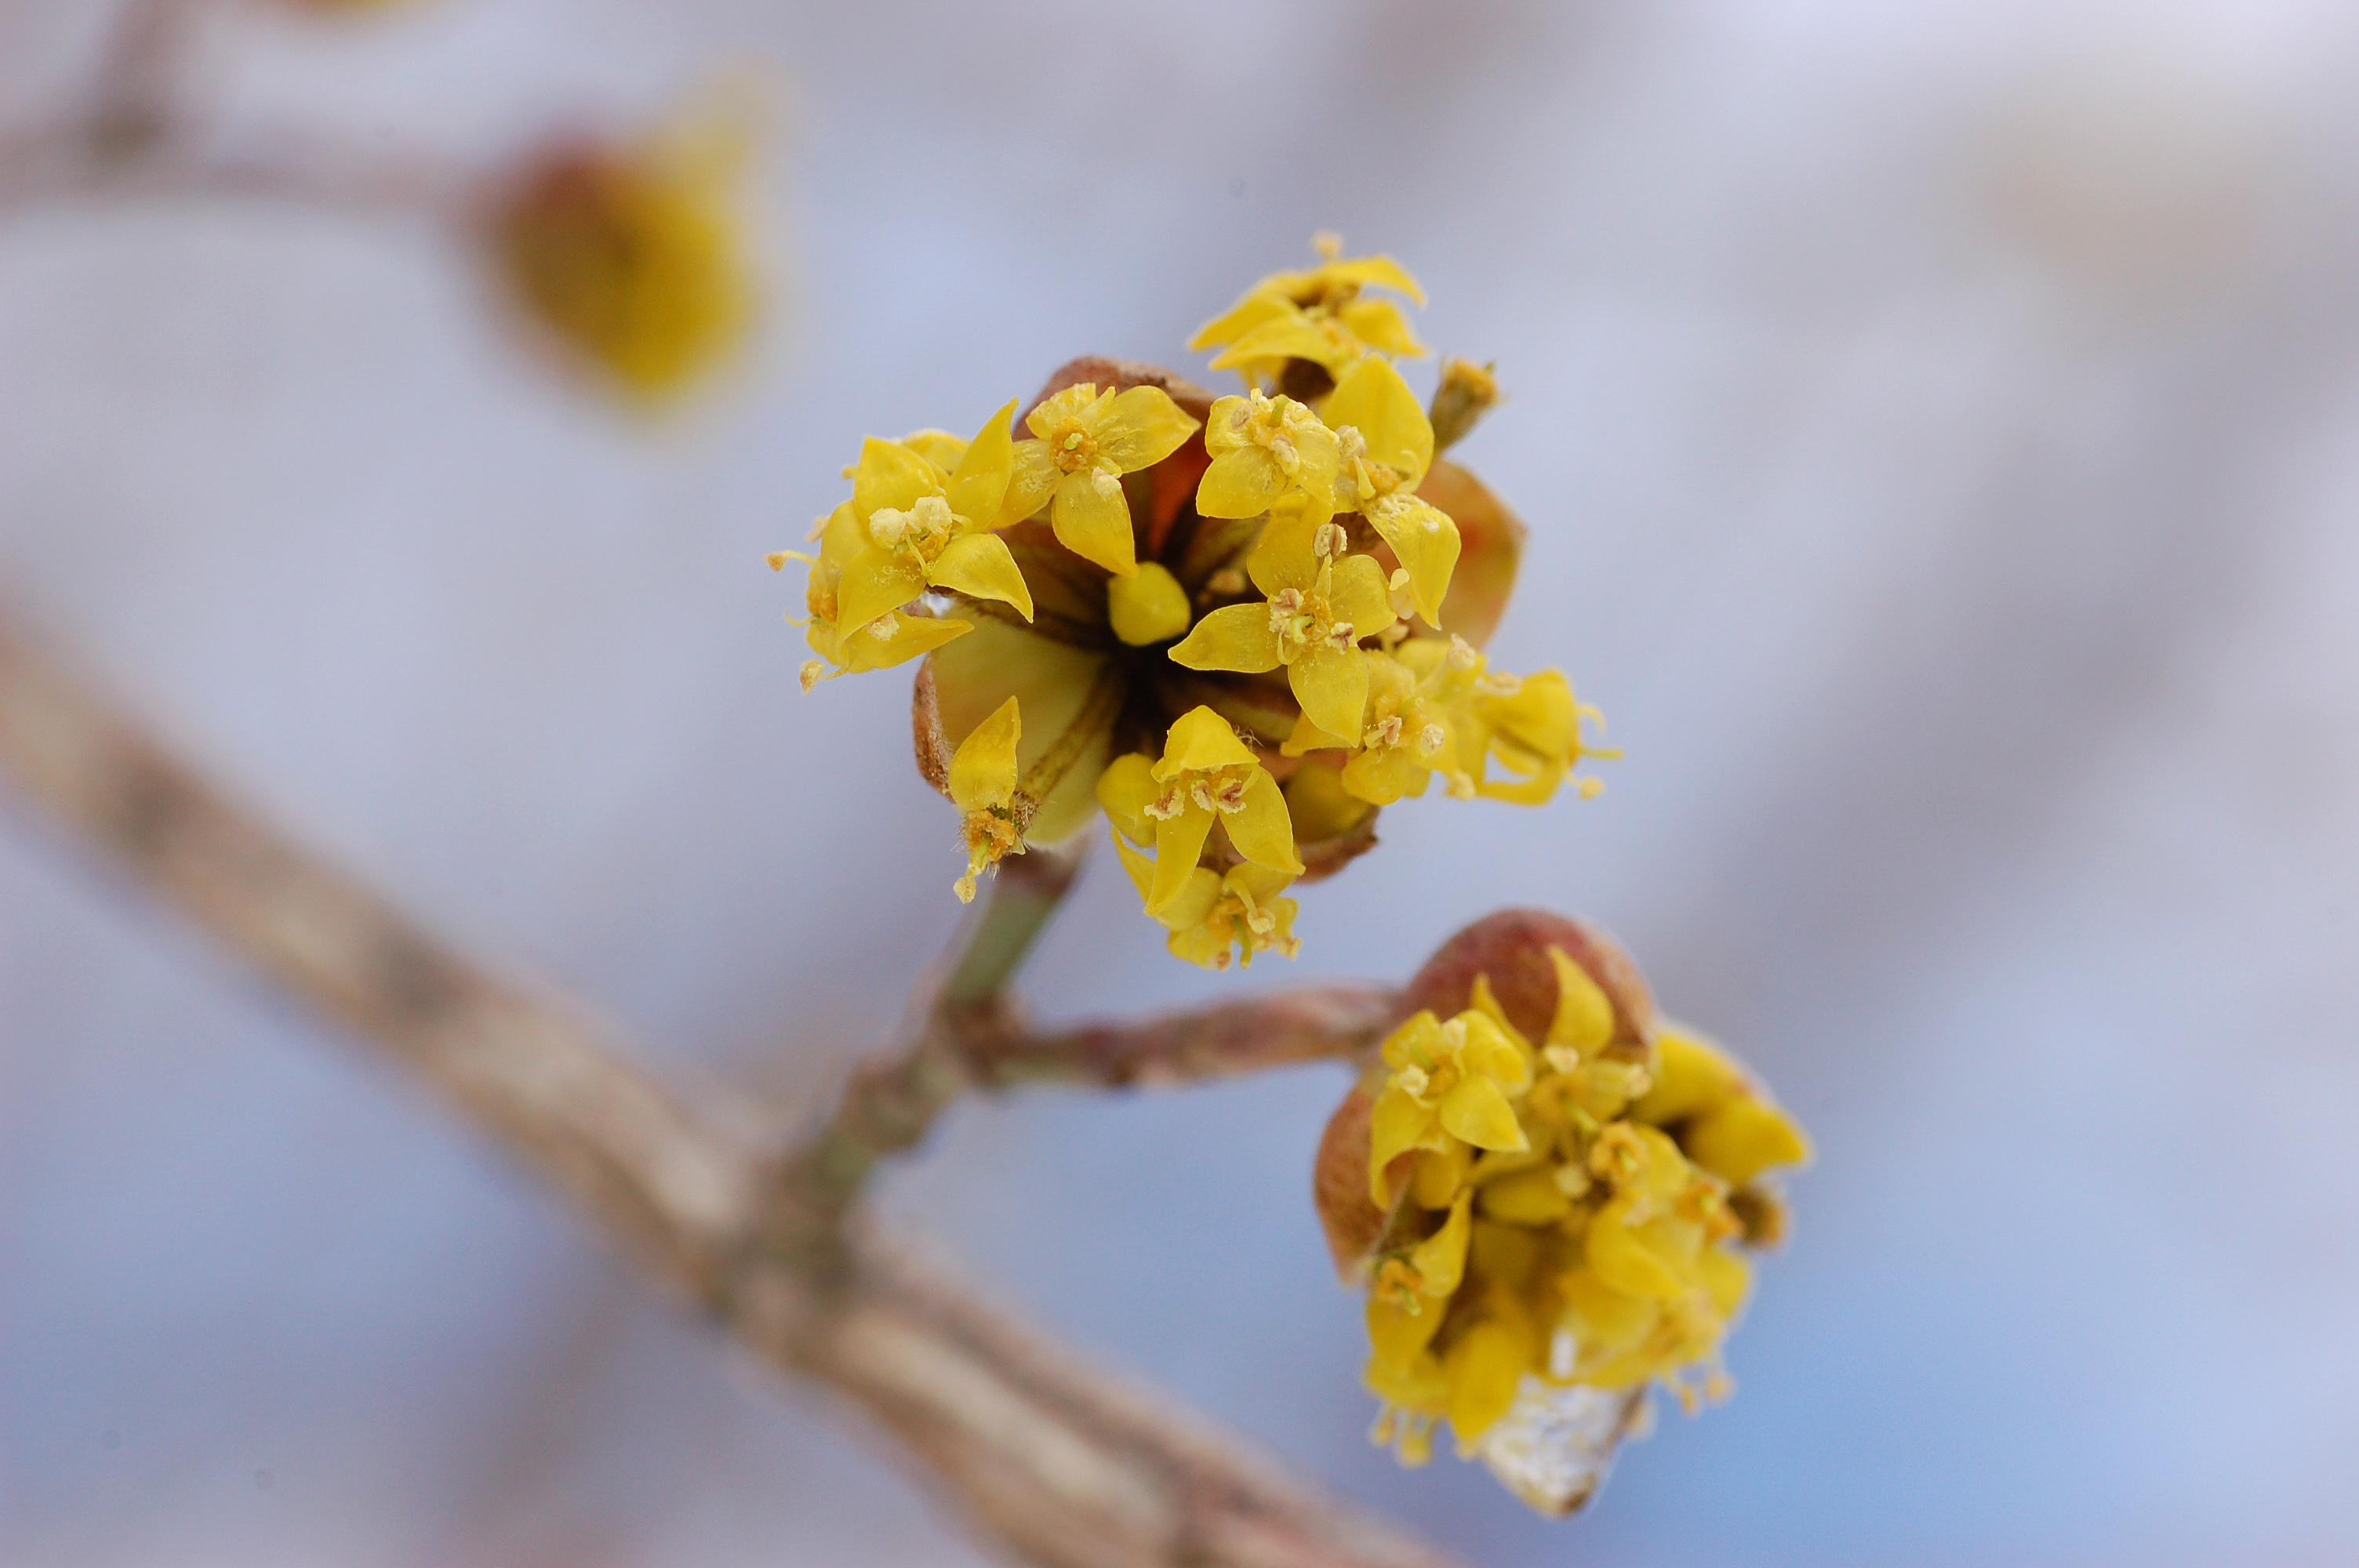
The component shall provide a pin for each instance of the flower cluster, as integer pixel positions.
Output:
(1236, 626)
(1548, 1196)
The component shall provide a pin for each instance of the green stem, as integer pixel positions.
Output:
(890, 1103)
(1017, 905)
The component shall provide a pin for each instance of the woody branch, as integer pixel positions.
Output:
(1051, 1457)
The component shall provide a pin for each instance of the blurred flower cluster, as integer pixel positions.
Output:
(1236, 626)
(1545, 1193)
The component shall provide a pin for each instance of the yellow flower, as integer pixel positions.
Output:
(631, 257)
(1217, 916)
(1551, 1218)
(1265, 452)
(1085, 441)
(1320, 602)
(1386, 445)
(921, 528)
(1319, 317)
(1205, 778)
(983, 787)
(1446, 1092)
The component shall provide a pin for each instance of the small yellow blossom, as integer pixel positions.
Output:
(983, 787)
(1085, 442)
(1320, 316)
(923, 528)
(1320, 602)
(1267, 450)
(1205, 776)
(1448, 1091)
(631, 257)
(1220, 916)
(1386, 445)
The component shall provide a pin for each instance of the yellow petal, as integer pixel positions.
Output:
(1139, 868)
(1360, 597)
(1092, 520)
(1527, 1198)
(1492, 1052)
(938, 447)
(1147, 609)
(876, 582)
(1418, 1038)
(1609, 1321)
(1234, 637)
(1727, 1279)
(980, 566)
(1482, 998)
(1475, 1110)
(1485, 1367)
(1184, 915)
(1441, 1259)
(1425, 540)
(1689, 1077)
(1395, 1125)
(1372, 396)
(1141, 428)
(1294, 337)
(1262, 832)
(868, 649)
(1380, 324)
(1331, 684)
(1321, 807)
(1241, 318)
(1067, 719)
(982, 769)
(1178, 841)
(1078, 403)
(1440, 1175)
(1374, 272)
(1032, 478)
(1126, 790)
(1620, 1260)
(890, 474)
(1745, 1138)
(1383, 777)
(1396, 1335)
(1240, 483)
(1584, 1014)
(978, 490)
(1201, 739)
(1285, 556)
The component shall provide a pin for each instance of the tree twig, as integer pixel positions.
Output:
(1051, 1458)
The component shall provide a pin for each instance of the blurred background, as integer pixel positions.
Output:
(1939, 426)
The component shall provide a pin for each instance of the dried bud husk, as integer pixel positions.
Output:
(1512, 949)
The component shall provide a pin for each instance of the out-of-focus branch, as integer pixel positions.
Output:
(92, 160)
(1050, 1456)
(969, 1042)
(1315, 1023)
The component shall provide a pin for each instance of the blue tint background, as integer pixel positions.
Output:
(1940, 428)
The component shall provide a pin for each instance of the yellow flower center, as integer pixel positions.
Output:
(1273, 423)
(1619, 1155)
(1073, 447)
(1363, 476)
(919, 533)
(1303, 618)
(1220, 789)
